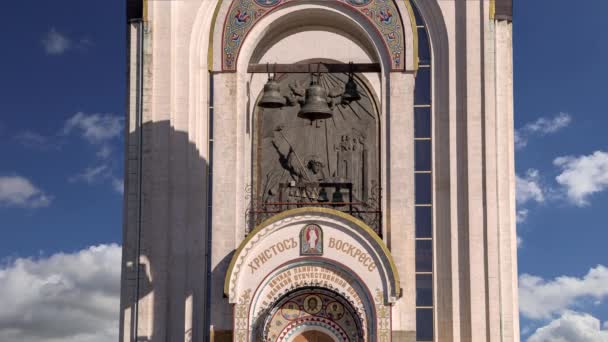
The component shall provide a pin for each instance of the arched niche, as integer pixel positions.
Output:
(274, 39)
(259, 44)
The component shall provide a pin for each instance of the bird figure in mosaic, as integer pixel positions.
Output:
(241, 17)
(385, 16)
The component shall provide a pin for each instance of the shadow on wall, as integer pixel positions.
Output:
(173, 239)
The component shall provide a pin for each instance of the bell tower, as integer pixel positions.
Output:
(302, 170)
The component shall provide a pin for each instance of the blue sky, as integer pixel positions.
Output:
(62, 106)
(41, 91)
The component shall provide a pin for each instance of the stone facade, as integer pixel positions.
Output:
(193, 156)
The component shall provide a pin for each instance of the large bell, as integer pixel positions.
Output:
(272, 97)
(315, 105)
(350, 91)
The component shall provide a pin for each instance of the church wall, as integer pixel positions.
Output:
(475, 243)
(173, 237)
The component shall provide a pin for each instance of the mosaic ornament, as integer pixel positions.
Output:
(244, 14)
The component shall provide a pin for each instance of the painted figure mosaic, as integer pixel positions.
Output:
(311, 240)
(308, 308)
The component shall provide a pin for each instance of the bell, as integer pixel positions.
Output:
(323, 195)
(315, 106)
(337, 197)
(272, 97)
(350, 91)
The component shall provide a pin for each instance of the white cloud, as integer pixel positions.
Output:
(34, 140)
(549, 125)
(56, 43)
(17, 191)
(98, 130)
(95, 128)
(31, 139)
(583, 176)
(65, 297)
(92, 174)
(543, 299)
(522, 215)
(571, 327)
(528, 188)
(118, 185)
(520, 242)
(541, 127)
(105, 151)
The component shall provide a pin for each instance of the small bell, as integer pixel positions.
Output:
(315, 105)
(337, 197)
(272, 97)
(350, 91)
(323, 195)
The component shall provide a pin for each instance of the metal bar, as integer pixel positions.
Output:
(313, 67)
(350, 199)
(317, 203)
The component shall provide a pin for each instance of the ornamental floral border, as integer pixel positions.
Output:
(244, 14)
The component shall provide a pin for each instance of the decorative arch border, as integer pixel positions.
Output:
(313, 322)
(243, 15)
(310, 322)
(394, 284)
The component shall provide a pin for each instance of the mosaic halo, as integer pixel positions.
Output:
(268, 3)
(359, 2)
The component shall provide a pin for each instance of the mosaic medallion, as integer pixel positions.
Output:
(359, 2)
(313, 304)
(267, 3)
(291, 311)
(334, 311)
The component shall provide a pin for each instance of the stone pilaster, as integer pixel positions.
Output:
(223, 199)
(400, 190)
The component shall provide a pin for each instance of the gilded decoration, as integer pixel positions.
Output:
(312, 308)
(244, 14)
(241, 322)
(383, 316)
